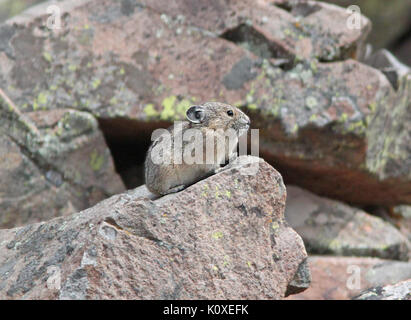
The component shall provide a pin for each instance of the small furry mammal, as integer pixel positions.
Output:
(212, 119)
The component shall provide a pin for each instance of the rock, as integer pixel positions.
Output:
(403, 221)
(322, 141)
(389, 137)
(301, 280)
(331, 227)
(388, 22)
(399, 291)
(342, 278)
(389, 65)
(403, 211)
(52, 163)
(318, 109)
(234, 244)
(152, 79)
(9, 8)
(143, 79)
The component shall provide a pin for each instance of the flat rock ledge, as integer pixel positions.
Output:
(399, 291)
(224, 237)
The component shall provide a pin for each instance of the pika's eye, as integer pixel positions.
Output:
(230, 113)
(198, 114)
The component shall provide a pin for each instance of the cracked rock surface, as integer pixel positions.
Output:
(52, 163)
(342, 278)
(327, 121)
(331, 227)
(235, 244)
(398, 291)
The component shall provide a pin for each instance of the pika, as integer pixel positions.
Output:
(212, 120)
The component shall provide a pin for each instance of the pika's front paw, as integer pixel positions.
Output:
(174, 189)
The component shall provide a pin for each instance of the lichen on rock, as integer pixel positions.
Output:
(155, 242)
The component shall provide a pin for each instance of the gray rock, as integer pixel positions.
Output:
(52, 163)
(384, 31)
(389, 65)
(404, 211)
(399, 291)
(342, 278)
(232, 244)
(301, 280)
(403, 221)
(327, 121)
(285, 66)
(331, 227)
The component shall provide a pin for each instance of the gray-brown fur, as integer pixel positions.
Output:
(167, 178)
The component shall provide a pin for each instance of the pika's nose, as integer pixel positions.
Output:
(245, 120)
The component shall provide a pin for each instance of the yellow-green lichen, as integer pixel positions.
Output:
(359, 127)
(344, 117)
(96, 160)
(372, 106)
(217, 235)
(59, 131)
(40, 101)
(226, 261)
(96, 83)
(288, 32)
(150, 111)
(42, 98)
(168, 108)
(334, 245)
(47, 56)
(311, 102)
(314, 66)
(252, 106)
(313, 117)
(294, 129)
(182, 106)
(113, 101)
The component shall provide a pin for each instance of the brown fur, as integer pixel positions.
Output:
(167, 178)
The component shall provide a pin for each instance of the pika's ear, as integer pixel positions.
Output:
(195, 114)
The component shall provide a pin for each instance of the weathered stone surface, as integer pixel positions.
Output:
(389, 20)
(403, 211)
(331, 227)
(332, 144)
(403, 220)
(399, 291)
(91, 58)
(52, 163)
(389, 138)
(342, 278)
(234, 244)
(385, 61)
(9, 8)
(284, 65)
